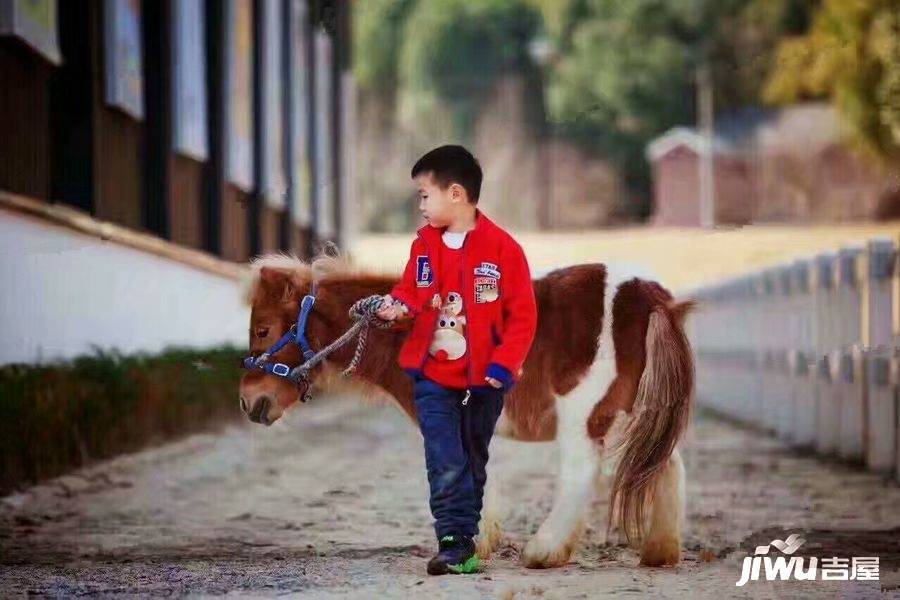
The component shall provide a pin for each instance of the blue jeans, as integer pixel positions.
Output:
(456, 451)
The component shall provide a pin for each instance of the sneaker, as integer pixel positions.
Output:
(456, 554)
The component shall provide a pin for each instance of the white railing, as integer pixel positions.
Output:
(808, 351)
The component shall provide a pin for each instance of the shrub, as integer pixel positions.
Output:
(57, 417)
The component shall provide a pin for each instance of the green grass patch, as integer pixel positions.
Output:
(56, 417)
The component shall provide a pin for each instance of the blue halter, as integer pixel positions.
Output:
(296, 334)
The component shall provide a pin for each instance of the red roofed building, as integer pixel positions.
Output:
(789, 165)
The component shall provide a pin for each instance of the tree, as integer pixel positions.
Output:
(378, 27)
(620, 73)
(628, 75)
(454, 52)
(851, 55)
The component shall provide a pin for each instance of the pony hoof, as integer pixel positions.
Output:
(661, 551)
(483, 548)
(489, 538)
(541, 553)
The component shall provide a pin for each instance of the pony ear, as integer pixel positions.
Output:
(277, 284)
(289, 291)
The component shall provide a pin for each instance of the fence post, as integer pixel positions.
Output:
(852, 416)
(768, 328)
(825, 338)
(851, 427)
(879, 303)
(881, 442)
(826, 413)
(894, 381)
(826, 417)
(756, 392)
(804, 433)
(785, 340)
(849, 296)
(749, 314)
(881, 449)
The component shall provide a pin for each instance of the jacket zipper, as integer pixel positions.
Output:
(462, 282)
(465, 400)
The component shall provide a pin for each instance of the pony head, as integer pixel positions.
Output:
(274, 290)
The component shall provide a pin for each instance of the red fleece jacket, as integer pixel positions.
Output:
(497, 292)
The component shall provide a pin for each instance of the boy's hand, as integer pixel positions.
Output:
(493, 382)
(388, 311)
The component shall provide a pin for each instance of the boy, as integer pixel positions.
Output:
(468, 287)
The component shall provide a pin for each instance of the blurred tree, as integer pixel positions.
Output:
(852, 56)
(454, 51)
(624, 76)
(615, 74)
(744, 47)
(626, 69)
(378, 27)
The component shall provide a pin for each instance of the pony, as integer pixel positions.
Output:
(609, 376)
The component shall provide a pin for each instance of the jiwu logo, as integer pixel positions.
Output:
(795, 567)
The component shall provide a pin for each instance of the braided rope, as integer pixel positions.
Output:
(363, 312)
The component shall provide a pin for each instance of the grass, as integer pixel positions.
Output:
(57, 417)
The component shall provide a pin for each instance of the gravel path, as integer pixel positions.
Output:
(332, 502)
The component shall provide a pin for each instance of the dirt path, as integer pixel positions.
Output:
(332, 501)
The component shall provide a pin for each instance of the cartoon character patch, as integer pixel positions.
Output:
(424, 275)
(449, 342)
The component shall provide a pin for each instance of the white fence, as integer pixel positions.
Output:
(808, 351)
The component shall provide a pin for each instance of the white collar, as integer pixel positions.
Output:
(454, 239)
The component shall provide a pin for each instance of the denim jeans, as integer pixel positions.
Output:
(456, 441)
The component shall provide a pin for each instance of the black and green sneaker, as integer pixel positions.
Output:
(456, 554)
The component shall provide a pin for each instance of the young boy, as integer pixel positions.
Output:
(468, 287)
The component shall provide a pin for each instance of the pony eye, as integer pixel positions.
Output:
(262, 332)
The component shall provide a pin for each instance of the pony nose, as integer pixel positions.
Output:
(244, 405)
(260, 409)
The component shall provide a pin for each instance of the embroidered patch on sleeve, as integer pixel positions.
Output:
(424, 276)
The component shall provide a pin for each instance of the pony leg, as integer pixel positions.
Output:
(662, 545)
(560, 533)
(489, 533)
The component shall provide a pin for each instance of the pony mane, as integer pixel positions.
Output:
(329, 262)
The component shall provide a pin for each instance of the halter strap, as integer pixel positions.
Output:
(296, 334)
(363, 311)
(306, 306)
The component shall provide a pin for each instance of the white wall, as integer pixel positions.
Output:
(63, 292)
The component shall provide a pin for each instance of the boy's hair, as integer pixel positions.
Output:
(452, 164)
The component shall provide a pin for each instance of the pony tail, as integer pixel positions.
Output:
(662, 409)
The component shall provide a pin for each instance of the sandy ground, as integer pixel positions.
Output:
(332, 502)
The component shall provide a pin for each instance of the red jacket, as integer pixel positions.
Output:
(497, 291)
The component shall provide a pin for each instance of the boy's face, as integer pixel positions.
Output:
(438, 207)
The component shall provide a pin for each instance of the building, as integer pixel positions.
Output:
(148, 144)
(787, 165)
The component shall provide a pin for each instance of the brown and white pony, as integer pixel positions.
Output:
(609, 376)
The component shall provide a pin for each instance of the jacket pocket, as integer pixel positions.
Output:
(495, 335)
